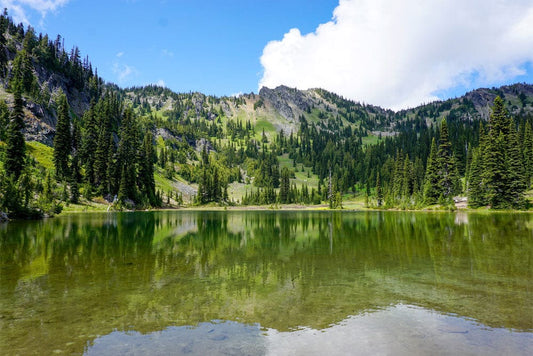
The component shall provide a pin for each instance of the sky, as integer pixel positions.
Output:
(395, 54)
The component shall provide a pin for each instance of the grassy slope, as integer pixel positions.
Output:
(41, 153)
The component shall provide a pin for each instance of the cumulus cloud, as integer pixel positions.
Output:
(401, 53)
(18, 8)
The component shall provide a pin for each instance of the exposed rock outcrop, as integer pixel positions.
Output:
(285, 100)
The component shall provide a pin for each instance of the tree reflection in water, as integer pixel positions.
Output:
(65, 281)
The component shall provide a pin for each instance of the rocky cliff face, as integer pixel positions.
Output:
(518, 96)
(288, 102)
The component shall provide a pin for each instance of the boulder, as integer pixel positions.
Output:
(3, 217)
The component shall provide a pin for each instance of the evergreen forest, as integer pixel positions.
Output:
(70, 140)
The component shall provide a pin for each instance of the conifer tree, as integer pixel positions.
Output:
(407, 179)
(516, 179)
(499, 119)
(284, 186)
(379, 190)
(127, 153)
(15, 143)
(62, 139)
(398, 176)
(146, 169)
(448, 177)
(89, 144)
(503, 175)
(476, 194)
(4, 119)
(123, 191)
(431, 184)
(101, 159)
(75, 179)
(22, 72)
(495, 172)
(528, 154)
(215, 186)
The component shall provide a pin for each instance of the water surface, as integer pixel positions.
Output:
(267, 283)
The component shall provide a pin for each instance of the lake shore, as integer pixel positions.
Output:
(347, 206)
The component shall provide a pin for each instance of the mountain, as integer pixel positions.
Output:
(281, 108)
(147, 146)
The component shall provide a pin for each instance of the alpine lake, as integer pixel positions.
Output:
(268, 283)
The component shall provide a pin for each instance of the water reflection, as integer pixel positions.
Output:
(218, 338)
(66, 281)
(398, 330)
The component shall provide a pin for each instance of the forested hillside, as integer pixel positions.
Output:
(67, 137)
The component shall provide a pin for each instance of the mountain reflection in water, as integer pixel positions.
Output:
(91, 281)
(398, 330)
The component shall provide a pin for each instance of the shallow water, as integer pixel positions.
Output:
(268, 283)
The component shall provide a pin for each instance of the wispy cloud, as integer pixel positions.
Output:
(400, 53)
(119, 54)
(18, 9)
(124, 72)
(167, 53)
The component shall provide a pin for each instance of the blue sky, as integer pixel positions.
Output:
(388, 53)
(208, 46)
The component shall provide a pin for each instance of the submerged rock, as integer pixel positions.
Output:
(3, 217)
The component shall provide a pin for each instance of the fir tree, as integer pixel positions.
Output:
(146, 169)
(431, 184)
(75, 179)
(4, 120)
(127, 154)
(284, 186)
(101, 159)
(495, 172)
(22, 72)
(89, 144)
(499, 119)
(527, 153)
(448, 176)
(113, 170)
(123, 191)
(62, 139)
(15, 143)
(407, 179)
(516, 179)
(476, 194)
(379, 190)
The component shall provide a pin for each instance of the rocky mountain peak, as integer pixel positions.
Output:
(289, 102)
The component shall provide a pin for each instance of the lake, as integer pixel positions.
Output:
(268, 283)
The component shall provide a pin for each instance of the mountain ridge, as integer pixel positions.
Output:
(281, 145)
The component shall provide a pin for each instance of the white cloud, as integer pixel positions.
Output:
(18, 8)
(161, 83)
(120, 54)
(124, 72)
(400, 53)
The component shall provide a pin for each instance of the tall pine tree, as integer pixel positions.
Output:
(15, 143)
(146, 170)
(62, 139)
(448, 176)
(516, 179)
(431, 183)
(476, 193)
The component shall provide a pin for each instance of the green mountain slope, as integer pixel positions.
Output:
(280, 146)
